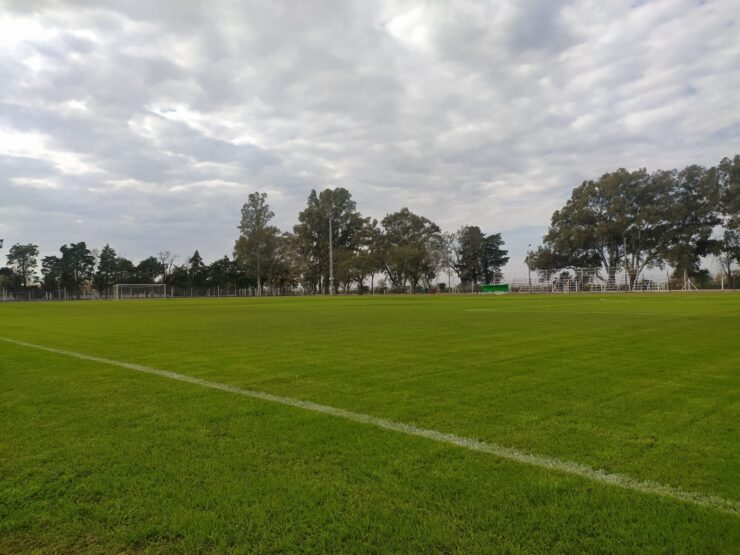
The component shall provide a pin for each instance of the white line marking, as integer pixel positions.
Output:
(541, 461)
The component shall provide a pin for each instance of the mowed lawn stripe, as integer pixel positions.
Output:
(620, 480)
(599, 312)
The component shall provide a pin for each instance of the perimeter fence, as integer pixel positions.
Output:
(88, 294)
(563, 281)
(593, 280)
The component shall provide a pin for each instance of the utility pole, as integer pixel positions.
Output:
(331, 253)
(529, 266)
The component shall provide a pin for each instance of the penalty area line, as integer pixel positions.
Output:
(623, 481)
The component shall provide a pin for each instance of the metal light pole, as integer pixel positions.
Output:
(331, 253)
(529, 266)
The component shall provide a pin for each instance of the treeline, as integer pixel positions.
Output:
(332, 245)
(636, 220)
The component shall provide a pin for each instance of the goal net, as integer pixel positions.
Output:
(139, 291)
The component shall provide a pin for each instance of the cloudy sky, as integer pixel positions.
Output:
(146, 124)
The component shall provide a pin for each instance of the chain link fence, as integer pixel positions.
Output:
(570, 280)
(589, 280)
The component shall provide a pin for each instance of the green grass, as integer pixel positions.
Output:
(99, 458)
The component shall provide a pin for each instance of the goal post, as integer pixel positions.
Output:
(139, 291)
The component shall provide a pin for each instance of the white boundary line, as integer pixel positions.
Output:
(541, 461)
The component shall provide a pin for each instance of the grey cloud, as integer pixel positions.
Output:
(21, 166)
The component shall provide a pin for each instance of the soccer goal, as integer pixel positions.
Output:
(139, 291)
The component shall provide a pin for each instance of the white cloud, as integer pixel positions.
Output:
(16, 30)
(410, 27)
(35, 183)
(33, 145)
(150, 122)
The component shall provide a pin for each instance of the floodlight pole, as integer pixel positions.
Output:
(331, 254)
(529, 267)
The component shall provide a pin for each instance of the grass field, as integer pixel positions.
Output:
(102, 458)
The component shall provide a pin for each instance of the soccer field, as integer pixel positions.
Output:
(372, 424)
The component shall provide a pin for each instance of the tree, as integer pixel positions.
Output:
(221, 273)
(408, 245)
(587, 231)
(367, 259)
(9, 279)
(691, 220)
(494, 257)
(645, 212)
(478, 257)
(51, 271)
(357, 258)
(364, 264)
(77, 265)
(728, 188)
(729, 255)
(105, 276)
(374, 261)
(447, 258)
(469, 250)
(255, 249)
(285, 267)
(167, 262)
(179, 276)
(349, 230)
(125, 271)
(150, 270)
(616, 221)
(24, 260)
(544, 259)
(197, 272)
(436, 256)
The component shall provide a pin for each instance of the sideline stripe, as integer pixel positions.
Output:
(620, 480)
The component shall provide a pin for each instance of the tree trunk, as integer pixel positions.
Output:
(259, 280)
